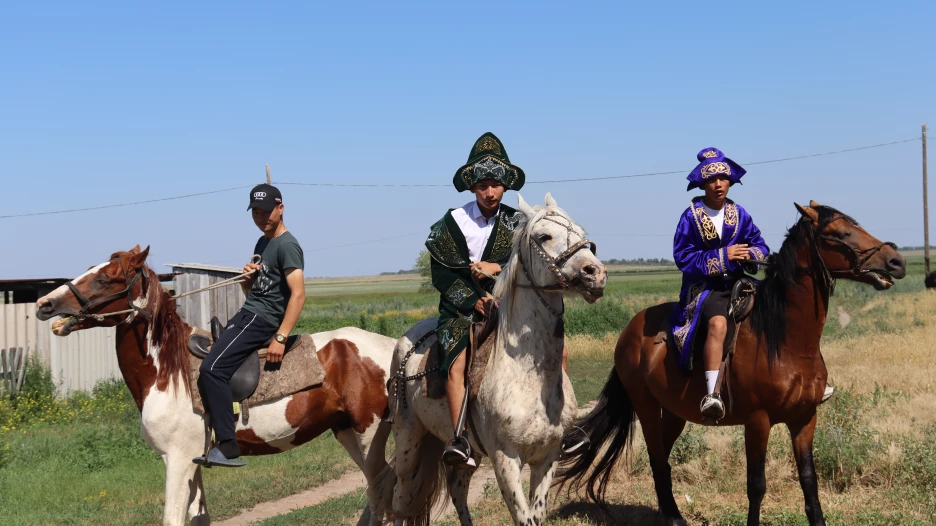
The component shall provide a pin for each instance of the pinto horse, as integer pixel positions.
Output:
(777, 374)
(154, 360)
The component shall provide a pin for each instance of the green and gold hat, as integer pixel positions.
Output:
(488, 160)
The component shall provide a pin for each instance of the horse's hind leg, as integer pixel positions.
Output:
(802, 436)
(367, 450)
(756, 435)
(659, 444)
(459, 480)
(198, 506)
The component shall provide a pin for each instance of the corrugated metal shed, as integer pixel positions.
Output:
(198, 309)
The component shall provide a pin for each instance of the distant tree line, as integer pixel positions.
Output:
(904, 249)
(410, 271)
(641, 262)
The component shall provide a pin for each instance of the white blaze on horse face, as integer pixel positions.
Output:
(63, 289)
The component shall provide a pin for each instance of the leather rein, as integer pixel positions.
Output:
(858, 257)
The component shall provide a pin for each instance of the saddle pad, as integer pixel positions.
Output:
(299, 370)
(434, 383)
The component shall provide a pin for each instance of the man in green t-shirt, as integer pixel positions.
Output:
(275, 296)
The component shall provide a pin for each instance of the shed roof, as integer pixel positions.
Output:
(202, 266)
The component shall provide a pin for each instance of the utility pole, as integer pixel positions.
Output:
(926, 244)
(924, 162)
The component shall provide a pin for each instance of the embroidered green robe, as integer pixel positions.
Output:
(452, 277)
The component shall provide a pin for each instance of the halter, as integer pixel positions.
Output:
(858, 256)
(87, 305)
(554, 264)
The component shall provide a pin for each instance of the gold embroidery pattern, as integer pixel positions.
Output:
(756, 253)
(503, 242)
(719, 168)
(452, 332)
(707, 227)
(680, 334)
(713, 266)
(731, 214)
(487, 144)
(711, 154)
(458, 292)
(445, 249)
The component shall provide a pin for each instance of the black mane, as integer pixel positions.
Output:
(768, 319)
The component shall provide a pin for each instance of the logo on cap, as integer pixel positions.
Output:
(259, 195)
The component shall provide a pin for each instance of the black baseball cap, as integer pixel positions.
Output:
(265, 197)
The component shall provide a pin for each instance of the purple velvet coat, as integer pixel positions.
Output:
(701, 254)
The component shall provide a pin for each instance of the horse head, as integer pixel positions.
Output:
(106, 295)
(846, 250)
(550, 248)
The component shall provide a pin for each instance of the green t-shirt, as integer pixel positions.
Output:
(270, 292)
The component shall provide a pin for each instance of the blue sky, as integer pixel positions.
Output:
(107, 103)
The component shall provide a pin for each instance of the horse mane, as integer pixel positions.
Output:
(168, 332)
(769, 316)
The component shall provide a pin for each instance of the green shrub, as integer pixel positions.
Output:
(844, 444)
(918, 463)
(599, 319)
(691, 444)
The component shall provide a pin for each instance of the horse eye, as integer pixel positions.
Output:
(544, 238)
(844, 235)
(100, 281)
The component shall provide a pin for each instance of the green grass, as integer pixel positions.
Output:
(340, 510)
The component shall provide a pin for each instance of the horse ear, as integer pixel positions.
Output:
(814, 204)
(550, 201)
(808, 212)
(139, 259)
(135, 250)
(524, 207)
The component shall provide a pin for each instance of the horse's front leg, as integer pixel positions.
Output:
(507, 472)
(198, 504)
(802, 436)
(180, 484)
(459, 480)
(541, 477)
(756, 435)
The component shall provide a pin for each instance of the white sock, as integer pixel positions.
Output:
(710, 378)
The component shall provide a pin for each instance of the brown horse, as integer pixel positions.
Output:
(777, 374)
(154, 360)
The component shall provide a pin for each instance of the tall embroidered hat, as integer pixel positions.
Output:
(712, 162)
(488, 160)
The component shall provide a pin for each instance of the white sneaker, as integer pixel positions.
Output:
(829, 391)
(712, 407)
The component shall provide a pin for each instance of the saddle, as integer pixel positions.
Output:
(481, 340)
(254, 382)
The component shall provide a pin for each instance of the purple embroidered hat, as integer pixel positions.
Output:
(712, 162)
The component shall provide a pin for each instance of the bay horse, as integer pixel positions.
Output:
(777, 374)
(154, 360)
(525, 403)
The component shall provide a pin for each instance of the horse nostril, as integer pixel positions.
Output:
(591, 270)
(895, 263)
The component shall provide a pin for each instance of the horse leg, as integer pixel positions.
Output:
(673, 426)
(367, 450)
(650, 415)
(507, 473)
(756, 435)
(541, 477)
(180, 478)
(198, 505)
(802, 436)
(458, 481)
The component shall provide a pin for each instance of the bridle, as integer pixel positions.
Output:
(87, 305)
(554, 263)
(858, 257)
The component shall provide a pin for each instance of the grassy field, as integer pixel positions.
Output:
(82, 461)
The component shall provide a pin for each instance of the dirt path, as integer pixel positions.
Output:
(355, 481)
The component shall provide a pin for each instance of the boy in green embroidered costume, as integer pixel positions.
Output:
(466, 246)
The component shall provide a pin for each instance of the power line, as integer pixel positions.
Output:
(386, 185)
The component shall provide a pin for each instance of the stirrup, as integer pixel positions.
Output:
(712, 408)
(829, 391)
(458, 453)
(575, 440)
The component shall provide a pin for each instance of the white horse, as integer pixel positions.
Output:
(153, 358)
(525, 403)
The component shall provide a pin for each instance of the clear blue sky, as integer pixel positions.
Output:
(112, 102)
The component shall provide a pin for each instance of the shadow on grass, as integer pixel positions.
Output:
(622, 515)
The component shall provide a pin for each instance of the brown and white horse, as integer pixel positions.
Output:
(153, 357)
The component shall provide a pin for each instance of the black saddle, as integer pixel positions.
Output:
(742, 299)
(247, 377)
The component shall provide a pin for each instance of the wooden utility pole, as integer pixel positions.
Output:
(926, 245)
(924, 148)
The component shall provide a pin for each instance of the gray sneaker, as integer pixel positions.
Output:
(712, 408)
(217, 458)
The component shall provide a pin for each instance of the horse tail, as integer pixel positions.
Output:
(612, 420)
(427, 487)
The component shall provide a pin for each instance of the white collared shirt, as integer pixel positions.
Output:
(475, 227)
